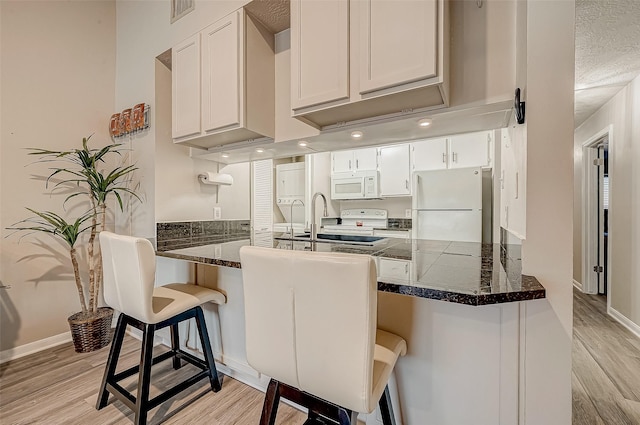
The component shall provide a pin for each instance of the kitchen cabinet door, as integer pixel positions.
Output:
(185, 75)
(222, 73)
(470, 150)
(398, 42)
(395, 171)
(396, 270)
(365, 159)
(341, 161)
(429, 154)
(319, 52)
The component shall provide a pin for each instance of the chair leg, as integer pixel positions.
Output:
(112, 361)
(144, 380)
(271, 401)
(347, 417)
(175, 346)
(214, 378)
(386, 410)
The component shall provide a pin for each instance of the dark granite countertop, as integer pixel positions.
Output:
(460, 272)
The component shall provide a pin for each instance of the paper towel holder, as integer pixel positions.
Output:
(216, 178)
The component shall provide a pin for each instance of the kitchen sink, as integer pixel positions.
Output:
(333, 238)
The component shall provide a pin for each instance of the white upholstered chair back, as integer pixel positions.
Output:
(311, 321)
(129, 274)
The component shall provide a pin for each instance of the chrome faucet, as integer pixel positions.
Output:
(314, 228)
(291, 214)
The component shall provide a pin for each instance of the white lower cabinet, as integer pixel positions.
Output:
(398, 271)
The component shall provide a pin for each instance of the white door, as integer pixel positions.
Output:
(429, 154)
(319, 52)
(185, 85)
(341, 161)
(365, 159)
(398, 42)
(222, 74)
(470, 150)
(261, 196)
(395, 167)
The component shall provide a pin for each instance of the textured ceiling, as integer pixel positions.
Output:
(607, 51)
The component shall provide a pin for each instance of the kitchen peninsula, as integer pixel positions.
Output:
(460, 272)
(457, 304)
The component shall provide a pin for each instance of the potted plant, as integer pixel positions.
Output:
(80, 171)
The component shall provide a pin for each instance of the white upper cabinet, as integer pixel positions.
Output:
(358, 59)
(430, 154)
(319, 52)
(395, 171)
(224, 83)
(470, 150)
(398, 42)
(354, 160)
(460, 151)
(185, 76)
(221, 72)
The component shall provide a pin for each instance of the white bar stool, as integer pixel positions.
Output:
(311, 326)
(129, 275)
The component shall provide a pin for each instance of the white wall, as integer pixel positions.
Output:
(58, 74)
(179, 196)
(622, 112)
(546, 330)
(137, 47)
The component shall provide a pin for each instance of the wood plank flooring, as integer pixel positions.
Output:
(58, 386)
(606, 366)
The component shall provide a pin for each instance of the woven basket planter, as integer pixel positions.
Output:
(91, 333)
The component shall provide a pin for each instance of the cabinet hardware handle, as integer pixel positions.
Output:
(444, 157)
(455, 157)
(406, 184)
(406, 268)
(349, 164)
(357, 164)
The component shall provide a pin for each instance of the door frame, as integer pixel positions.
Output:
(590, 213)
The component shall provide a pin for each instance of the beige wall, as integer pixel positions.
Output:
(58, 74)
(622, 112)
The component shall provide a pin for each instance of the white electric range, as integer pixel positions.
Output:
(360, 221)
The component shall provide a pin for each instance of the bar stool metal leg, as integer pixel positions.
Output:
(112, 361)
(175, 346)
(146, 360)
(215, 379)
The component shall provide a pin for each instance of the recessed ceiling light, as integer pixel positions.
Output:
(225, 155)
(425, 122)
(357, 134)
(302, 143)
(259, 150)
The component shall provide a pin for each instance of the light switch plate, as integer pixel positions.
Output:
(407, 213)
(217, 213)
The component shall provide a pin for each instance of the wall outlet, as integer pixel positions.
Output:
(217, 213)
(407, 213)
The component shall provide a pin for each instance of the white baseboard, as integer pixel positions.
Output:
(624, 321)
(34, 347)
(577, 285)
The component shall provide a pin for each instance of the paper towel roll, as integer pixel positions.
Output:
(209, 177)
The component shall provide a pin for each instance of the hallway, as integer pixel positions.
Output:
(606, 366)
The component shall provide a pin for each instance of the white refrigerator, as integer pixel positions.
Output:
(447, 204)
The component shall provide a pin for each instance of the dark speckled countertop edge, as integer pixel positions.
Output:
(532, 289)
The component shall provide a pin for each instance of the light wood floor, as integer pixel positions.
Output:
(60, 387)
(606, 366)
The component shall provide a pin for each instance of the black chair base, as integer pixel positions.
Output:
(141, 404)
(321, 412)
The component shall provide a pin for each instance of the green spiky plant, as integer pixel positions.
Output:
(81, 168)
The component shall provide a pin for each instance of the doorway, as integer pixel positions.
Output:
(595, 213)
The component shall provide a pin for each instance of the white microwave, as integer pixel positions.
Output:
(356, 185)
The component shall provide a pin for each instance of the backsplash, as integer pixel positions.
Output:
(399, 223)
(185, 234)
